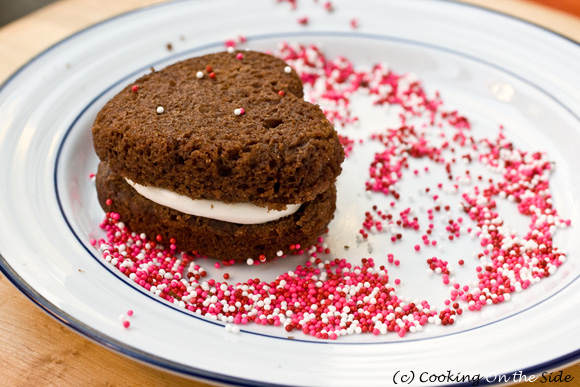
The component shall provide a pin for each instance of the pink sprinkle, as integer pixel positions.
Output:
(303, 20)
(524, 181)
(239, 56)
(129, 313)
(126, 324)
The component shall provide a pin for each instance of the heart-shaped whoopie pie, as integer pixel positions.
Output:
(228, 129)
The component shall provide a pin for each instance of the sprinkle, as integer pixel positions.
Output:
(199, 74)
(126, 324)
(287, 69)
(231, 49)
(108, 202)
(212, 75)
(327, 297)
(160, 109)
(303, 20)
(208, 68)
(239, 111)
(232, 328)
(130, 313)
(354, 23)
(134, 88)
(281, 93)
(239, 56)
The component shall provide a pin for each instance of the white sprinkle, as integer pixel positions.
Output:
(160, 109)
(250, 261)
(231, 50)
(237, 112)
(199, 74)
(287, 69)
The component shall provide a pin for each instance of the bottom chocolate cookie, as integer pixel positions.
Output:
(214, 238)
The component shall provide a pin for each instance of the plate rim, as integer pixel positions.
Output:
(375, 37)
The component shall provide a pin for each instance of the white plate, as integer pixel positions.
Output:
(494, 69)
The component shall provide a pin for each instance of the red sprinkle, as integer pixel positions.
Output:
(303, 20)
(329, 297)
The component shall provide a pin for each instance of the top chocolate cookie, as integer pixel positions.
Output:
(176, 130)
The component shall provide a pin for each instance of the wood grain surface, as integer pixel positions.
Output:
(35, 349)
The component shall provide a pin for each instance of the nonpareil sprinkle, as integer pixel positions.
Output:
(327, 297)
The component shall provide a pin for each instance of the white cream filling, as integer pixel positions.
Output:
(243, 213)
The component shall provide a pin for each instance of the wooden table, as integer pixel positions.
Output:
(37, 350)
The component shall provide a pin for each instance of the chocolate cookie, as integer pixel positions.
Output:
(231, 128)
(211, 237)
(174, 130)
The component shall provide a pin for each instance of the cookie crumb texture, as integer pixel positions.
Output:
(210, 237)
(281, 151)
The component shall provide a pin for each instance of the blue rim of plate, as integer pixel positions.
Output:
(113, 344)
(283, 35)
